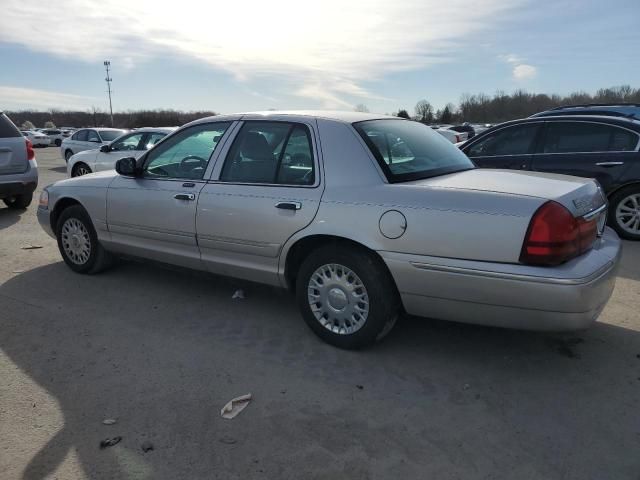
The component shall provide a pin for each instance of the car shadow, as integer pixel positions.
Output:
(62, 169)
(163, 349)
(9, 216)
(630, 260)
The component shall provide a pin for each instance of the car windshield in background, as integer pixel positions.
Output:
(408, 150)
(110, 135)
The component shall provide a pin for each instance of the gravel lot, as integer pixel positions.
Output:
(162, 350)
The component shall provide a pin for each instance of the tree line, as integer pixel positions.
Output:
(99, 118)
(501, 107)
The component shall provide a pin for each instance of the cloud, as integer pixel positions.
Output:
(524, 72)
(327, 52)
(20, 97)
(521, 70)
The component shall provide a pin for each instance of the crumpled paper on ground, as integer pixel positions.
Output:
(235, 406)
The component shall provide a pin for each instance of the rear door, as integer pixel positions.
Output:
(587, 149)
(510, 147)
(13, 150)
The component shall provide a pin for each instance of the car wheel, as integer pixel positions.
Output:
(19, 202)
(347, 296)
(58, 142)
(67, 155)
(624, 212)
(80, 169)
(78, 242)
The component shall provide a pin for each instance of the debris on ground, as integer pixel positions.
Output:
(239, 294)
(109, 421)
(228, 440)
(146, 446)
(109, 442)
(235, 406)
(18, 271)
(31, 247)
(360, 387)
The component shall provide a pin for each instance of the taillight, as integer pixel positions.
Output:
(30, 153)
(555, 236)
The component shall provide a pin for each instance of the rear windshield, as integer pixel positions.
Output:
(110, 135)
(408, 150)
(7, 128)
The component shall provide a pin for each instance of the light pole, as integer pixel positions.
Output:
(107, 64)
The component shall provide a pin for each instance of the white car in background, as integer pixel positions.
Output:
(132, 144)
(37, 139)
(56, 135)
(451, 135)
(88, 139)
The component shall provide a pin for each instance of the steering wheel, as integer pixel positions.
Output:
(192, 162)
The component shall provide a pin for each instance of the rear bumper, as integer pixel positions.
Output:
(19, 183)
(567, 297)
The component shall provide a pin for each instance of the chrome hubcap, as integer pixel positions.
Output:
(628, 213)
(338, 299)
(76, 241)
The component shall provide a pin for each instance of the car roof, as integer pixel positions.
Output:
(335, 115)
(155, 129)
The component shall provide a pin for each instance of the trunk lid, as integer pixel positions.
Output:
(579, 195)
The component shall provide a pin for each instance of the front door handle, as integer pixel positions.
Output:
(289, 205)
(609, 164)
(185, 196)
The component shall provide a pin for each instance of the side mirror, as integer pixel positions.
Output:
(105, 148)
(127, 167)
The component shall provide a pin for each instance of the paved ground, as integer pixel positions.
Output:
(163, 350)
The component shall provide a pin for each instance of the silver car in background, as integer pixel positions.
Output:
(362, 216)
(88, 139)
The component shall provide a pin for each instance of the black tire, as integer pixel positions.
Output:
(67, 155)
(98, 259)
(19, 202)
(614, 201)
(384, 304)
(80, 169)
(57, 142)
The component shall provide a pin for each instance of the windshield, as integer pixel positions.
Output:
(409, 150)
(110, 135)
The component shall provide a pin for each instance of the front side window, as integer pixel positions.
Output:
(186, 154)
(408, 150)
(583, 137)
(516, 140)
(92, 136)
(130, 142)
(80, 136)
(110, 135)
(270, 153)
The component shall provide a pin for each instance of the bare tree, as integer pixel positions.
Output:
(424, 111)
(361, 107)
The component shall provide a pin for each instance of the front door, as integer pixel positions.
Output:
(587, 149)
(267, 189)
(154, 215)
(510, 147)
(128, 146)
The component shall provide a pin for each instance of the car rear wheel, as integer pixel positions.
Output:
(19, 202)
(346, 296)
(624, 212)
(67, 155)
(78, 242)
(80, 169)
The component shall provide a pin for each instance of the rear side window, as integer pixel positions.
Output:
(516, 140)
(7, 128)
(270, 153)
(584, 137)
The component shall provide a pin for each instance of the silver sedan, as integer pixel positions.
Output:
(362, 216)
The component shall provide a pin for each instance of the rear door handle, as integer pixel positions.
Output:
(289, 205)
(609, 164)
(185, 196)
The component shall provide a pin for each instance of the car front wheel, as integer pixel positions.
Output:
(625, 213)
(346, 296)
(80, 169)
(78, 242)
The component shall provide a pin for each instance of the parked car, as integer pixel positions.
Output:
(464, 128)
(631, 110)
(18, 169)
(604, 148)
(37, 139)
(55, 135)
(88, 139)
(132, 144)
(448, 132)
(359, 229)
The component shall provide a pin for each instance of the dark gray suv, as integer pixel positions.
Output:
(18, 168)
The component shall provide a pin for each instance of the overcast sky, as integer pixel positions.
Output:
(254, 55)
